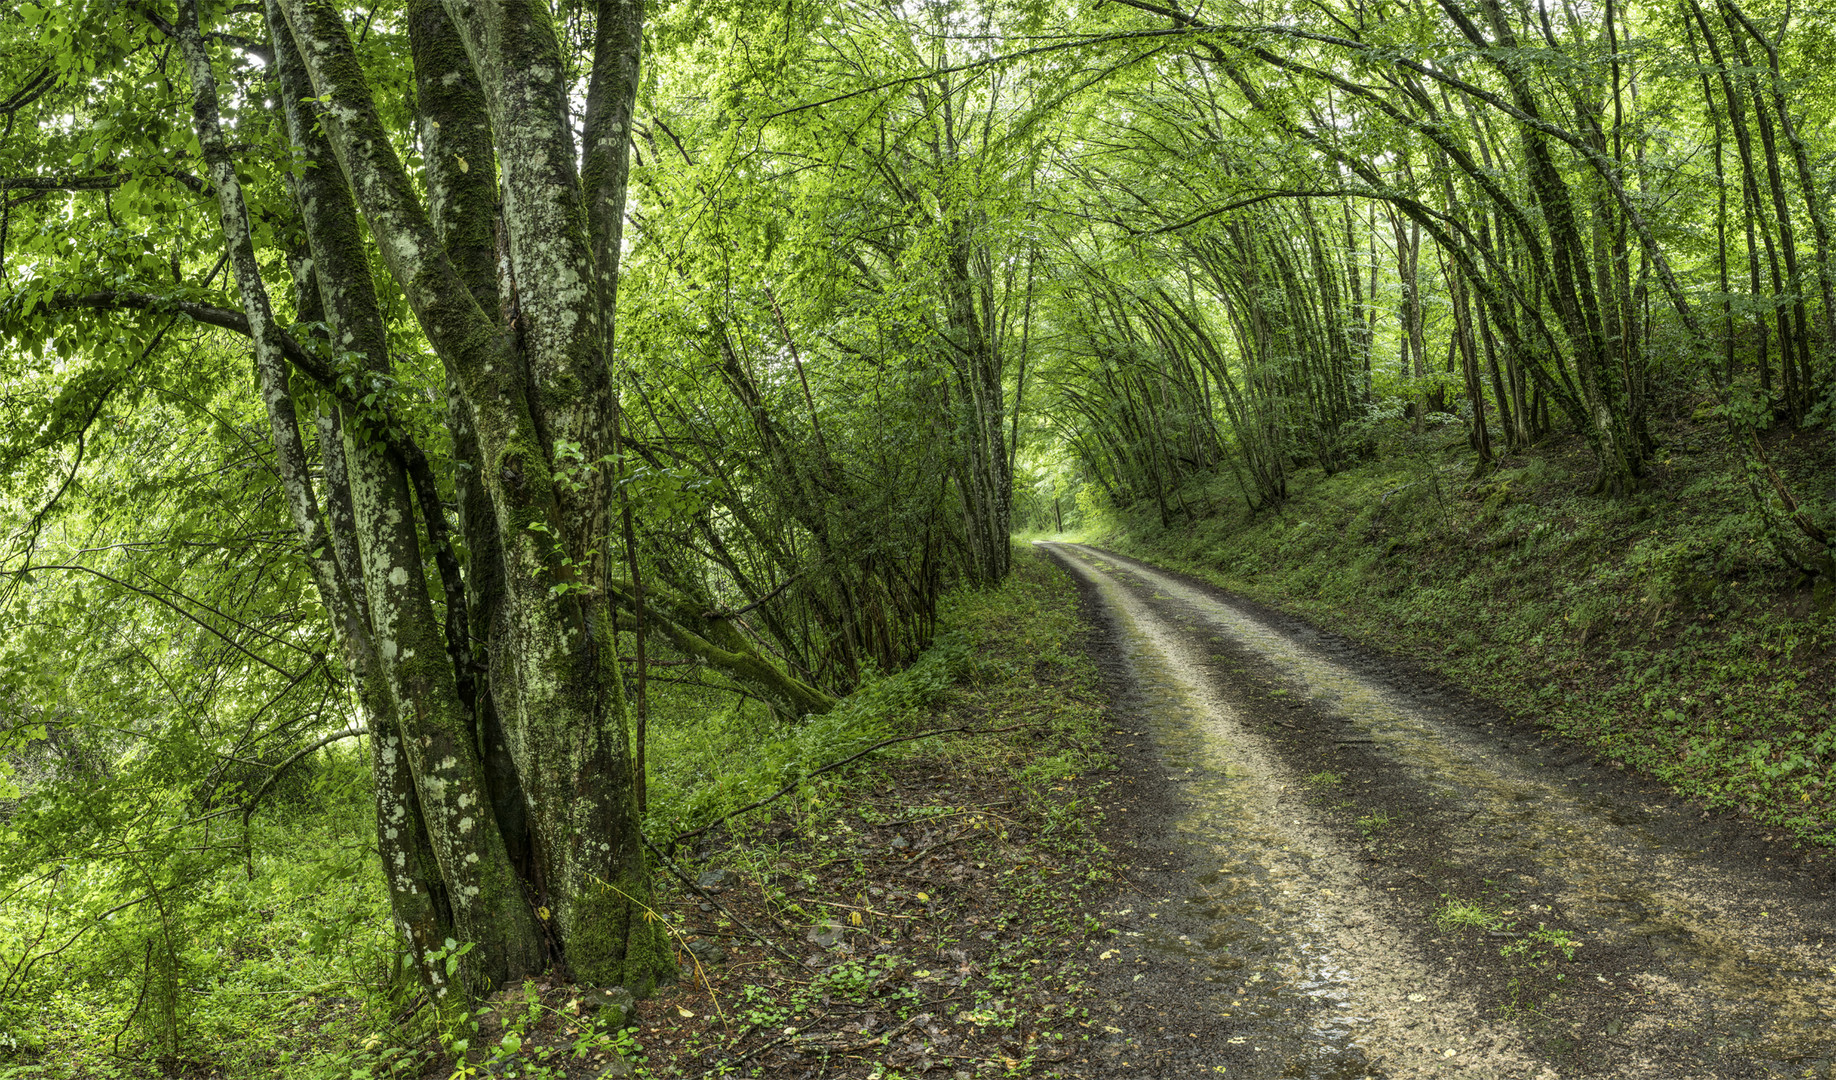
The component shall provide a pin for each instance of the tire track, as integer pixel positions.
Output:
(1677, 965)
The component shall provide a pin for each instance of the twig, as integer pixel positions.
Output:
(419, 1003)
(722, 908)
(248, 808)
(726, 1067)
(650, 913)
(793, 785)
(741, 611)
(928, 848)
(881, 1039)
(146, 979)
(868, 910)
(951, 814)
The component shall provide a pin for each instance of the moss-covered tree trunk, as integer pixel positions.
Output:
(506, 810)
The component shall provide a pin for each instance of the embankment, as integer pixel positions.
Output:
(1662, 631)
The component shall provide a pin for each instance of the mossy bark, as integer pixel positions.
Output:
(542, 738)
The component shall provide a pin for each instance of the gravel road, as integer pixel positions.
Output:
(1346, 870)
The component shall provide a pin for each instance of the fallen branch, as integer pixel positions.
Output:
(722, 908)
(954, 813)
(725, 1068)
(793, 785)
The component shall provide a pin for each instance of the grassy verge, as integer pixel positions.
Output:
(926, 909)
(1661, 630)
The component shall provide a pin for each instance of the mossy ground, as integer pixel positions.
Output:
(1662, 630)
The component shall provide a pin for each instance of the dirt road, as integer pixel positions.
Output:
(1356, 873)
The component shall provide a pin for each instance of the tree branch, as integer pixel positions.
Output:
(220, 635)
(93, 182)
(208, 314)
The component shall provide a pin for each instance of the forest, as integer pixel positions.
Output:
(452, 446)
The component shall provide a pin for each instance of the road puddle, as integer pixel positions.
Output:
(1323, 975)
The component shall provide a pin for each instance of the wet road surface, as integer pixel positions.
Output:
(1381, 880)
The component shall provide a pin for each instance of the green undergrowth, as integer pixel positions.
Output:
(277, 959)
(1662, 629)
(990, 643)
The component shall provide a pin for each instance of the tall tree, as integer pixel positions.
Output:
(483, 656)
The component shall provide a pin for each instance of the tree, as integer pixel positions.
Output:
(504, 784)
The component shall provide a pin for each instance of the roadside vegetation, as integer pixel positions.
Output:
(927, 900)
(1661, 629)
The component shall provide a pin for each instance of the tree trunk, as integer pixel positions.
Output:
(506, 814)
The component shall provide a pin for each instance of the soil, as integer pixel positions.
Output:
(1265, 886)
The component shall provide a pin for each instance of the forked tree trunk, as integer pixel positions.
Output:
(505, 794)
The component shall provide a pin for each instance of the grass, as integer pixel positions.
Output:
(1662, 630)
(1456, 914)
(1540, 946)
(1536, 948)
(288, 967)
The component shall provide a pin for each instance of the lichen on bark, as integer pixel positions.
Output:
(550, 706)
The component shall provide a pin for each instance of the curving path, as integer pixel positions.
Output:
(1383, 880)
